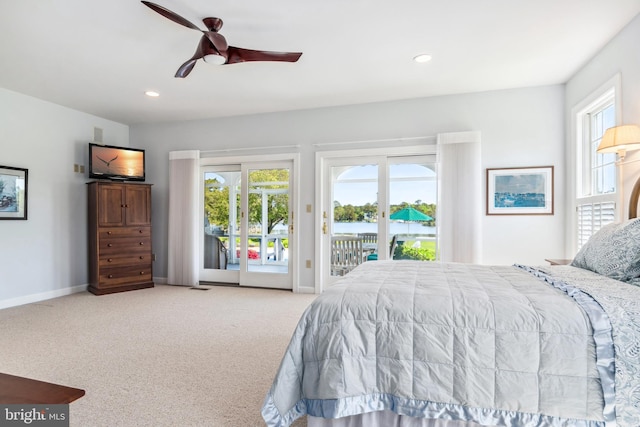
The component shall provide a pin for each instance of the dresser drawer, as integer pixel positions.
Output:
(115, 276)
(109, 232)
(124, 260)
(124, 245)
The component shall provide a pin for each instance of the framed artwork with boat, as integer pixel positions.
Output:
(520, 191)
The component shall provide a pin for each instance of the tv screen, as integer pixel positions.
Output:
(116, 163)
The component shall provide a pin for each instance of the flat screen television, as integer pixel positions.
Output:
(116, 163)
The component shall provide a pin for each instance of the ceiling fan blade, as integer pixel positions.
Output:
(170, 15)
(186, 68)
(238, 54)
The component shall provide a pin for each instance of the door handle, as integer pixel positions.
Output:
(324, 223)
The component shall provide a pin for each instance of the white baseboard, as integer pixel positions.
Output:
(306, 290)
(28, 299)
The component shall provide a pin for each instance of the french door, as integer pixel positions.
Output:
(369, 199)
(247, 224)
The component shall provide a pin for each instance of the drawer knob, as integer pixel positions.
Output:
(141, 257)
(111, 276)
(110, 260)
(109, 232)
(141, 273)
(109, 244)
(140, 231)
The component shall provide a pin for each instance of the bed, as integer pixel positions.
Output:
(416, 344)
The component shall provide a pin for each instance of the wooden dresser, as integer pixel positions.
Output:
(120, 257)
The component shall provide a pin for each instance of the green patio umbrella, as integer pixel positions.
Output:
(410, 214)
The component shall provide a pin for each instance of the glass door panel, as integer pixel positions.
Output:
(354, 199)
(267, 208)
(221, 225)
(268, 220)
(412, 208)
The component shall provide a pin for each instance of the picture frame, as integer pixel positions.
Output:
(13, 193)
(520, 191)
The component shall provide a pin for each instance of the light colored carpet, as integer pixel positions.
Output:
(165, 356)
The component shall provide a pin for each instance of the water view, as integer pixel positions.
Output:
(411, 228)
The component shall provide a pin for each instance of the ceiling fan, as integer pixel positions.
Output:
(213, 47)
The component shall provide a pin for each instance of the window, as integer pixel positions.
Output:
(596, 192)
(599, 168)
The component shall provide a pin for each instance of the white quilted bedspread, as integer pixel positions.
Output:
(491, 344)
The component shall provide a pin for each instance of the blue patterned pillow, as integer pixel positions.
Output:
(614, 251)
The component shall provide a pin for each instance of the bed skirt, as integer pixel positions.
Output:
(384, 419)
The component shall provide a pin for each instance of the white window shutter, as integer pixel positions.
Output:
(592, 217)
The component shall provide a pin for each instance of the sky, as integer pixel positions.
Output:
(421, 187)
(520, 183)
(360, 193)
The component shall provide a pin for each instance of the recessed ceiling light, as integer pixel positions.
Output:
(152, 93)
(422, 58)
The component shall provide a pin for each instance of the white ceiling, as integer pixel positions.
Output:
(100, 56)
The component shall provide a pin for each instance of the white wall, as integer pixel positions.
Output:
(619, 56)
(521, 127)
(46, 255)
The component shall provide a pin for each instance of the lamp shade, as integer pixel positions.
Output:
(620, 139)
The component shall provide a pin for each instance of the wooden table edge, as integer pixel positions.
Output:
(21, 390)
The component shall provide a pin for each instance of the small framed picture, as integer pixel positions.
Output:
(520, 191)
(13, 193)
